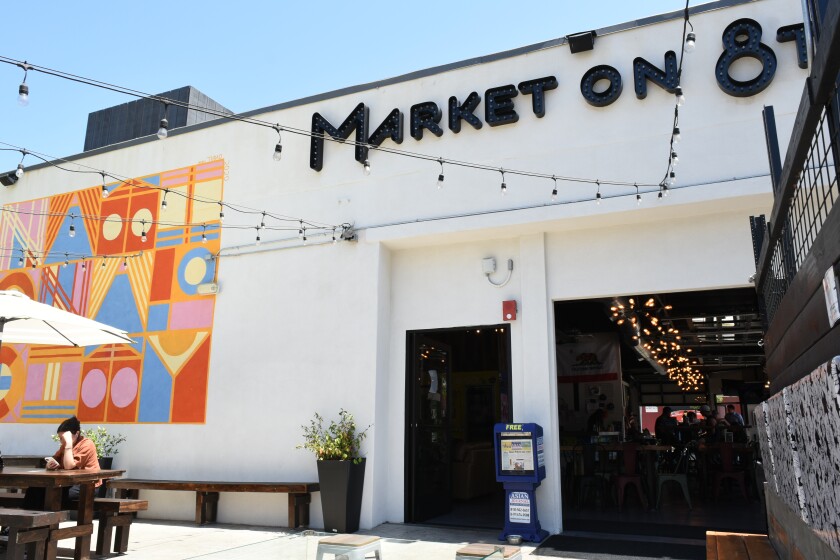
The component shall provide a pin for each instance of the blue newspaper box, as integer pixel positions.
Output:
(520, 466)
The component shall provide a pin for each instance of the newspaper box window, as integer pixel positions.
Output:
(520, 466)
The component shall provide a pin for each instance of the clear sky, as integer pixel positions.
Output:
(256, 53)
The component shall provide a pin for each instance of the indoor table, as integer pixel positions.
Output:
(53, 482)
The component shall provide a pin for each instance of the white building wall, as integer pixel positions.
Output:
(301, 330)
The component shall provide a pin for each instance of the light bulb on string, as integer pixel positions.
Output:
(672, 178)
(262, 222)
(677, 135)
(221, 212)
(257, 241)
(504, 186)
(72, 230)
(163, 200)
(125, 263)
(278, 149)
(300, 229)
(84, 266)
(23, 89)
(440, 177)
(598, 193)
(333, 235)
(20, 260)
(304, 236)
(690, 42)
(204, 234)
(143, 231)
(19, 171)
(163, 131)
(638, 196)
(105, 192)
(554, 190)
(680, 96)
(103, 260)
(367, 167)
(674, 159)
(66, 260)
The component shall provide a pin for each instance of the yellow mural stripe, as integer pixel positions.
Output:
(29, 405)
(58, 209)
(56, 378)
(175, 363)
(90, 201)
(140, 280)
(40, 354)
(103, 277)
(47, 382)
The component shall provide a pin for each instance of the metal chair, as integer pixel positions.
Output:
(676, 473)
(630, 476)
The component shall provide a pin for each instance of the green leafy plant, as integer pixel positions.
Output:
(339, 441)
(106, 443)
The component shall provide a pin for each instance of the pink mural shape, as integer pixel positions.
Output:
(124, 387)
(68, 387)
(93, 388)
(35, 382)
(192, 314)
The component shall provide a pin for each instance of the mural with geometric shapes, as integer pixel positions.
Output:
(163, 376)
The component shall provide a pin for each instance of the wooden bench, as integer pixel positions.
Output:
(29, 531)
(207, 494)
(477, 551)
(115, 513)
(738, 546)
(11, 499)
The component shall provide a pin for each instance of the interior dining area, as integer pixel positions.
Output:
(656, 394)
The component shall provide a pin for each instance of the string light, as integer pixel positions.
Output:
(367, 167)
(674, 159)
(258, 237)
(554, 190)
(333, 236)
(278, 149)
(105, 192)
(638, 196)
(504, 186)
(84, 266)
(221, 212)
(440, 177)
(163, 131)
(304, 236)
(72, 229)
(103, 260)
(204, 234)
(125, 263)
(690, 42)
(66, 260)
(680, 96)
(676, 135)
(163, 200)
(20, 260)
(262, 222)
(23, 89)
(143, 231)
(598, 194)
(300, 230)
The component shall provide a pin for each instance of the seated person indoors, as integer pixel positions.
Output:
(75, 452)
(714, 426)
(666, 426)
(733, 417)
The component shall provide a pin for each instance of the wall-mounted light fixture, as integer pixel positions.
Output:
(580, 42)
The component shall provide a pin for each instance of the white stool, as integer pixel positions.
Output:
(354, 547)
(481, 550)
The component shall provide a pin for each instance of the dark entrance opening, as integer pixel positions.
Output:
(457, 387)
(694, 352)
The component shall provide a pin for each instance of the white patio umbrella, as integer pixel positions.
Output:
(30, 322)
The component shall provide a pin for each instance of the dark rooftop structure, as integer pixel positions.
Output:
(139, 118)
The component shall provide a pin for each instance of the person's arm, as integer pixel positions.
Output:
(67, 461)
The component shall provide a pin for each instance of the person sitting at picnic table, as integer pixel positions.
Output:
(75, 452)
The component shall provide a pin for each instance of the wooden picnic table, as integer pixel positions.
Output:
(53, 482)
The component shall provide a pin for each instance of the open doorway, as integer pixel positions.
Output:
(457, 387)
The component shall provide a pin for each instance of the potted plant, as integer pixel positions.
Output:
(341, 469)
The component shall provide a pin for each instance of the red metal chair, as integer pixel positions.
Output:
(630, 474)
(728, 470)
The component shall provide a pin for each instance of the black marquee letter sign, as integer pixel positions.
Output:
(465, 112)
(742, 38)
(595, 75)
(357, 120)
(391, 127)
(537, 89)
(499, 105)
(425, 115)
(643, 71)
(795, 32)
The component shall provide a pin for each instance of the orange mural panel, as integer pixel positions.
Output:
(162, 277)
(112, 231)
(143, 213)
(123, 391)
(93, 391)
(190, 391)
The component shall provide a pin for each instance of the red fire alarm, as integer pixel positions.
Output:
(509, 310)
